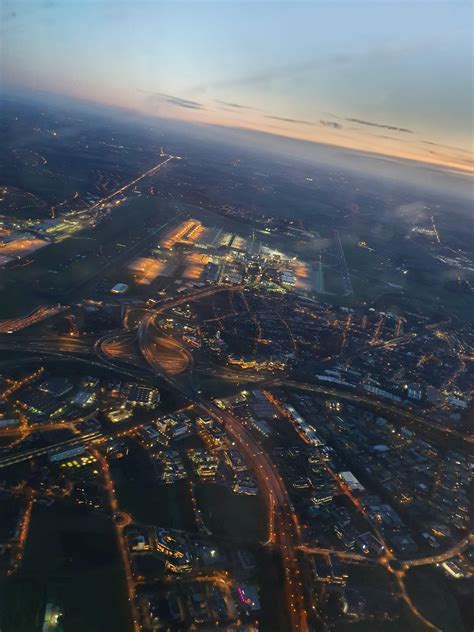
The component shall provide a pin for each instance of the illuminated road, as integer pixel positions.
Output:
(147, 330)
(120, 522)
(442, 557)
(284, 527)
(22, 533)
(172, 357)
(128, 185)
(166, 357)
(71, 351)
(67, 344)
(456, 549)
(343, 555)
(119, 346)
(11, 325)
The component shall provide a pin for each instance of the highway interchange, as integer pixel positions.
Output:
(284, 529)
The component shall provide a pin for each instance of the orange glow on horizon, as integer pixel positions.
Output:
(323, 136)
(410, 149)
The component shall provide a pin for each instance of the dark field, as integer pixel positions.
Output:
(71, 559)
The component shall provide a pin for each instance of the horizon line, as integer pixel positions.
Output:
(445, 167)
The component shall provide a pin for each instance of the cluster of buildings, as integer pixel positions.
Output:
(172, 467)
(234, 468)
(217, 463)
(159, 432)
(302, 427)
(207, 595)
(255, 408)
(193, 255)
(40, 396)
(121, 400)
(404, 360)
(201, 604)
(169, 545)
(370, 484)
(205, 464)
(428, 484)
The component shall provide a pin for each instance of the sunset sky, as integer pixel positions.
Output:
(392, 77)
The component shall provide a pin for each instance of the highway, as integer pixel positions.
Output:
(126, 186)
(285, 530)
(147, 324)
(11, 325)
(456, 549)
(343, 555)
(68, 350)
(66, 344)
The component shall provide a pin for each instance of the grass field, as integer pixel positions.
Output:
(148, 501)
(436, 602)
(71, 558)
(230, 515)
(90, 253)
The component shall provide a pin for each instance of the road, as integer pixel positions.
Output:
(146, 328)
(284, 527)
(444, 556)
(126, 186)
(46, 344)
(348, 289)
(456, 549)
(285, 530)
(65, 344)
(120, 522)
(11, 325)
(343, 555)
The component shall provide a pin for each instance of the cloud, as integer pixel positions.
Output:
(173, 100)
(237, 106)
(182, 103)
(289, 120)
(373, 124)
(332, 124)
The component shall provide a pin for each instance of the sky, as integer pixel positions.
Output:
(387, 76)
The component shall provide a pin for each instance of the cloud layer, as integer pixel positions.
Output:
(382, 125)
